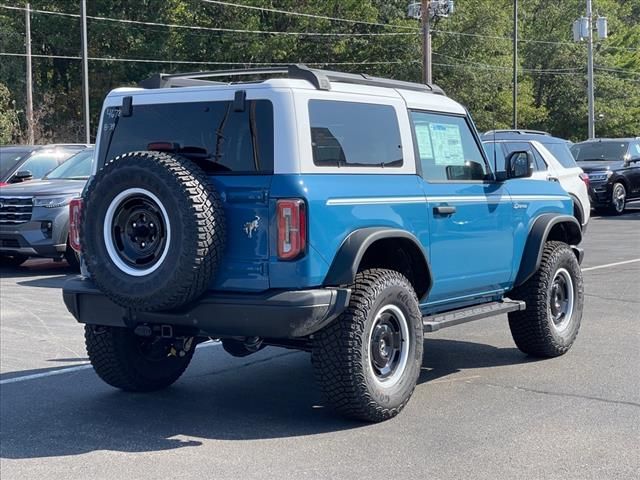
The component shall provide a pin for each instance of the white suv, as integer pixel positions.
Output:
(553, 162)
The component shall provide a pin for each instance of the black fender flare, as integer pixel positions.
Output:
(578, 205)
(538, 234)
(345, 264)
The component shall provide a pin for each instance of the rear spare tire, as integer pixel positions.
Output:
(152, 231)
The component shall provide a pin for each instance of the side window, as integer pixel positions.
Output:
(539, 164)
(562, 153)
(635, 150)
(354, 134)
(447, 148)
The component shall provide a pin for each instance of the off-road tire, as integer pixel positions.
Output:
(116, 357)
(341, 351)
(13, 260)
(533, 329)
(197, 225)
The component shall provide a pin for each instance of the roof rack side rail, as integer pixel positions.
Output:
(320, 79)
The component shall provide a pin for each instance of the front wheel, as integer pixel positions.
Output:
(367, 362)
(554, 296)
(618, 199)
(136, 364)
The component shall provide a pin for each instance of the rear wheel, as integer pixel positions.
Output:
(136, 364)
(554, 297)
(367, 362)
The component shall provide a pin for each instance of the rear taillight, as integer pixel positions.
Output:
(585, 178)
(75, 212)
(292, 228)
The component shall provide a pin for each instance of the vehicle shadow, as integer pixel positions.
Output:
(46, 282)
(57, 271)
(271, 396)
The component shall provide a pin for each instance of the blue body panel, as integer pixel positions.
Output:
(474, 253)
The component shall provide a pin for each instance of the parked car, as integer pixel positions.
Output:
(34, 216)
(613, 166)
(340, 214)
(553, 162)
(32, 162)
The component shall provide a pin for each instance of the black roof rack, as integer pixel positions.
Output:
(320, 79)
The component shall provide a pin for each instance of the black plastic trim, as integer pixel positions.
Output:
(542, 226)
(345, 264)
(270, 314)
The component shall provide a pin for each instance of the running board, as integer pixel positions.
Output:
(433, 323)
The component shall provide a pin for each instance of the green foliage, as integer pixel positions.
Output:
(472, 55)
(8, 117)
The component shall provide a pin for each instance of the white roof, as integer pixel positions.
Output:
(413, 99)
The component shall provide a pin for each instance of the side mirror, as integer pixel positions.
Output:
(520, 164)
(21, 176)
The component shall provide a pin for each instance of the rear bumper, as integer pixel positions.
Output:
(271, 314)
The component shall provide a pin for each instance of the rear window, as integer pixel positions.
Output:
(562, 153)
(354, 134)
(225, 141)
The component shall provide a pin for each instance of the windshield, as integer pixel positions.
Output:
(77, 167)
(9, 158)
(598, 151)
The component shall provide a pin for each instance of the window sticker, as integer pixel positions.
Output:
(423, 136)
(447, 144)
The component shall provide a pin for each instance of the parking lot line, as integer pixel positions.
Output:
(77, 368)
(608, 265)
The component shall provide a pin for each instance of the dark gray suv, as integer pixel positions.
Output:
(34, 216)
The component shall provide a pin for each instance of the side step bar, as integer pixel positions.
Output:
(433, 323)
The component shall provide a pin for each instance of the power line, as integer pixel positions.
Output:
(308, 34)
(308, 15)
(218, 29)
(191, 62)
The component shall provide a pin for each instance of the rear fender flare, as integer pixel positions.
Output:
(347, 260)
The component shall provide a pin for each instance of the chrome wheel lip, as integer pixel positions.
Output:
(397, 373)
(619, 197)
(561, 300)
(109, 240)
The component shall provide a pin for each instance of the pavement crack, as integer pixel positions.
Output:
(560, 394)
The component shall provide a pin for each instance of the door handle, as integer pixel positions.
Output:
(444, 210)
(552, 178)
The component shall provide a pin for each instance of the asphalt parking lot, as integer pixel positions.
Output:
(482, 409)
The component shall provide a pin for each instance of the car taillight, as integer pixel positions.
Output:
(75, 212)
(585, 178)
(292, 228)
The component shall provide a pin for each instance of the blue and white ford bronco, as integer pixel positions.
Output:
(339, 214)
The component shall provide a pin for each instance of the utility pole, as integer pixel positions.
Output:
(583, 30)
(85, 71)
(591, 100)
(515, 64)
(426, 42)
(423, 11)
(27, 23)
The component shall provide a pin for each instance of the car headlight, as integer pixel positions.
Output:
(600, 176)
(52, 202)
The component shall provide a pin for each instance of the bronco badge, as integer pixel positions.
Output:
(252, 226)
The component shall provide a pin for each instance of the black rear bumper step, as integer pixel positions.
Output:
(433, 323)
(270, 314)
